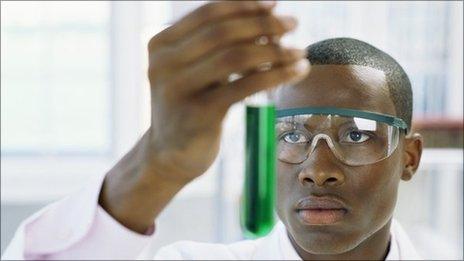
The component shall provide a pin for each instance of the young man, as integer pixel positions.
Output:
(344, 144)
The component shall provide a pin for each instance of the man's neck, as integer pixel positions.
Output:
(375, 247)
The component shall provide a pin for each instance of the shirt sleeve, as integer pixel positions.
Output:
(76, 227)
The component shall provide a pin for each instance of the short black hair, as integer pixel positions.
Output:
(349, 51)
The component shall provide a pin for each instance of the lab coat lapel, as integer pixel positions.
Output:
(276, 246)
(401, 247)
(268, 247)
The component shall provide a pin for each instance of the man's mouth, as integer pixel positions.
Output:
(321, 210)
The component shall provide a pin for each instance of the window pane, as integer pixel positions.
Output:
(55, 77)
(419, 35)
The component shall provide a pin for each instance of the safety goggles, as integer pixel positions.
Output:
(355, 137)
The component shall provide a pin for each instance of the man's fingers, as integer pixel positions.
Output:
(237, 59)
(225, 96)
(232, 31)
(219, 36)
(211, 12)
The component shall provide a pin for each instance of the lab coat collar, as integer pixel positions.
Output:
(277, 245)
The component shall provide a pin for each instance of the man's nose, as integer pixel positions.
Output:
(321, 168)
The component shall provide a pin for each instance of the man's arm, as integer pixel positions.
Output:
(133, 197)
(189, 66)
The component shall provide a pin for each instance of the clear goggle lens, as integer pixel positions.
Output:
(353, 140)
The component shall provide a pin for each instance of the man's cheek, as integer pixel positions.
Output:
(377, 189)
(377, 178)
(287, 187)
(287, 178)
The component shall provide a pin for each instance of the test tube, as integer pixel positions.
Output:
(259, 190)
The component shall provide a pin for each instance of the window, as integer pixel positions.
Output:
(75, 96)
(56, 96)
(72, 84)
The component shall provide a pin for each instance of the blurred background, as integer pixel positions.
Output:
(74, 99)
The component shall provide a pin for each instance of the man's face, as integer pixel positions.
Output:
(369, 191)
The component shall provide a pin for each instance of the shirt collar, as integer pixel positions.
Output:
(288, 251)
(400, 246)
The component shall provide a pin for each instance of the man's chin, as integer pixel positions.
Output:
(319, 243)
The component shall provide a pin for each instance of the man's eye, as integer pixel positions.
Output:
(355, 137)
(295, 137)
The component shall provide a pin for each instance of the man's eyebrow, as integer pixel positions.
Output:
(291, 122)
(288, 119)
(285, 122)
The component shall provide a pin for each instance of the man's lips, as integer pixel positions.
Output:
(321, 210)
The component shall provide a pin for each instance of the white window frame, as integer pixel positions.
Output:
(44, 178)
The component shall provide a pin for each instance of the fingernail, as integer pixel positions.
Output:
(267, 4)
(288, 22)
(302, 66)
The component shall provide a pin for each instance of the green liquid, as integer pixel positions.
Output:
(258, 199)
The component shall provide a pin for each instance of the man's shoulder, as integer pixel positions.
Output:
(192, 250)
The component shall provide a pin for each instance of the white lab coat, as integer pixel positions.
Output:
(275, 246)
(76, 227)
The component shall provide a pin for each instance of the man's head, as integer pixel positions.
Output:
(348, 51)
(350, 74)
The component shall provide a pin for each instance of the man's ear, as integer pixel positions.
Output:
(412, 155)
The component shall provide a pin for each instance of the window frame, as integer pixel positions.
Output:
(28, 178)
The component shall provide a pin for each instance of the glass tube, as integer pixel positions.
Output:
(259, 191)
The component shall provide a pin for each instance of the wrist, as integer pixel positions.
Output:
(157, 166)
(135, 191)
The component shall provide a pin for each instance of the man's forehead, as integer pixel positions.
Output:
(343, 86)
